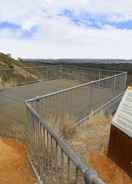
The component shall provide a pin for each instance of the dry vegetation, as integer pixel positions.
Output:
(90, 142)
(12, 72)
(92, 135)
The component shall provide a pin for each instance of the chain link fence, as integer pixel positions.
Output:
(70, 72)
(19, 76)
(52, 159)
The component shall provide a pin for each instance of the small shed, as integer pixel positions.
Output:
(120, 144)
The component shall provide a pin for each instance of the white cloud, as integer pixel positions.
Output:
(82, 43)
(58, 37)
(22, 11)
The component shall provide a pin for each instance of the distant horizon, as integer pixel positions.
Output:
(76, 60)
(33, 58)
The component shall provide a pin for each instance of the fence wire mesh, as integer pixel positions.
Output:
(11, 77)
(48, 114)
(79, 102)
(52, 158)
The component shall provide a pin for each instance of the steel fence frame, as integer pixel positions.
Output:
(39, 127)
(60, 71)
(77, 86)
(90, 176)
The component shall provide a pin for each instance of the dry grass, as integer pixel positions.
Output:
(67, 129)
(63, 126)
(7, 84)
(90, 141)
(92, 135)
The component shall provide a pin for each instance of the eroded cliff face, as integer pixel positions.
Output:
(7, 84)
(12, 72)
(24, 73)
(14, 77)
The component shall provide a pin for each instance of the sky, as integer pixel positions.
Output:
(66, 28)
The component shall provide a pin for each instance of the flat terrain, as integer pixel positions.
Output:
(13, 119)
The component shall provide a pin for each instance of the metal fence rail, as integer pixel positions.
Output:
(54, 161)
(71, 72)
(11, 77)
(76, 103)
(48, 114)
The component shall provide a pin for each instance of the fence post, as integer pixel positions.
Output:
(115, 85)
(125, 83)
(99, 75)
(91, 177)
(38, 106)
(91, 98)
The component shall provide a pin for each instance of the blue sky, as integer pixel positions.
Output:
(98, 21)
(66, 28)
(17, 30)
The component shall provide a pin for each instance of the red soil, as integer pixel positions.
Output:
(108, 170)
(14, 168)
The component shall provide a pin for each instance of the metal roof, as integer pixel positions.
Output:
(123, 117)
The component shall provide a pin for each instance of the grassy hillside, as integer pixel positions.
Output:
(7, 61)
(12, 72)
